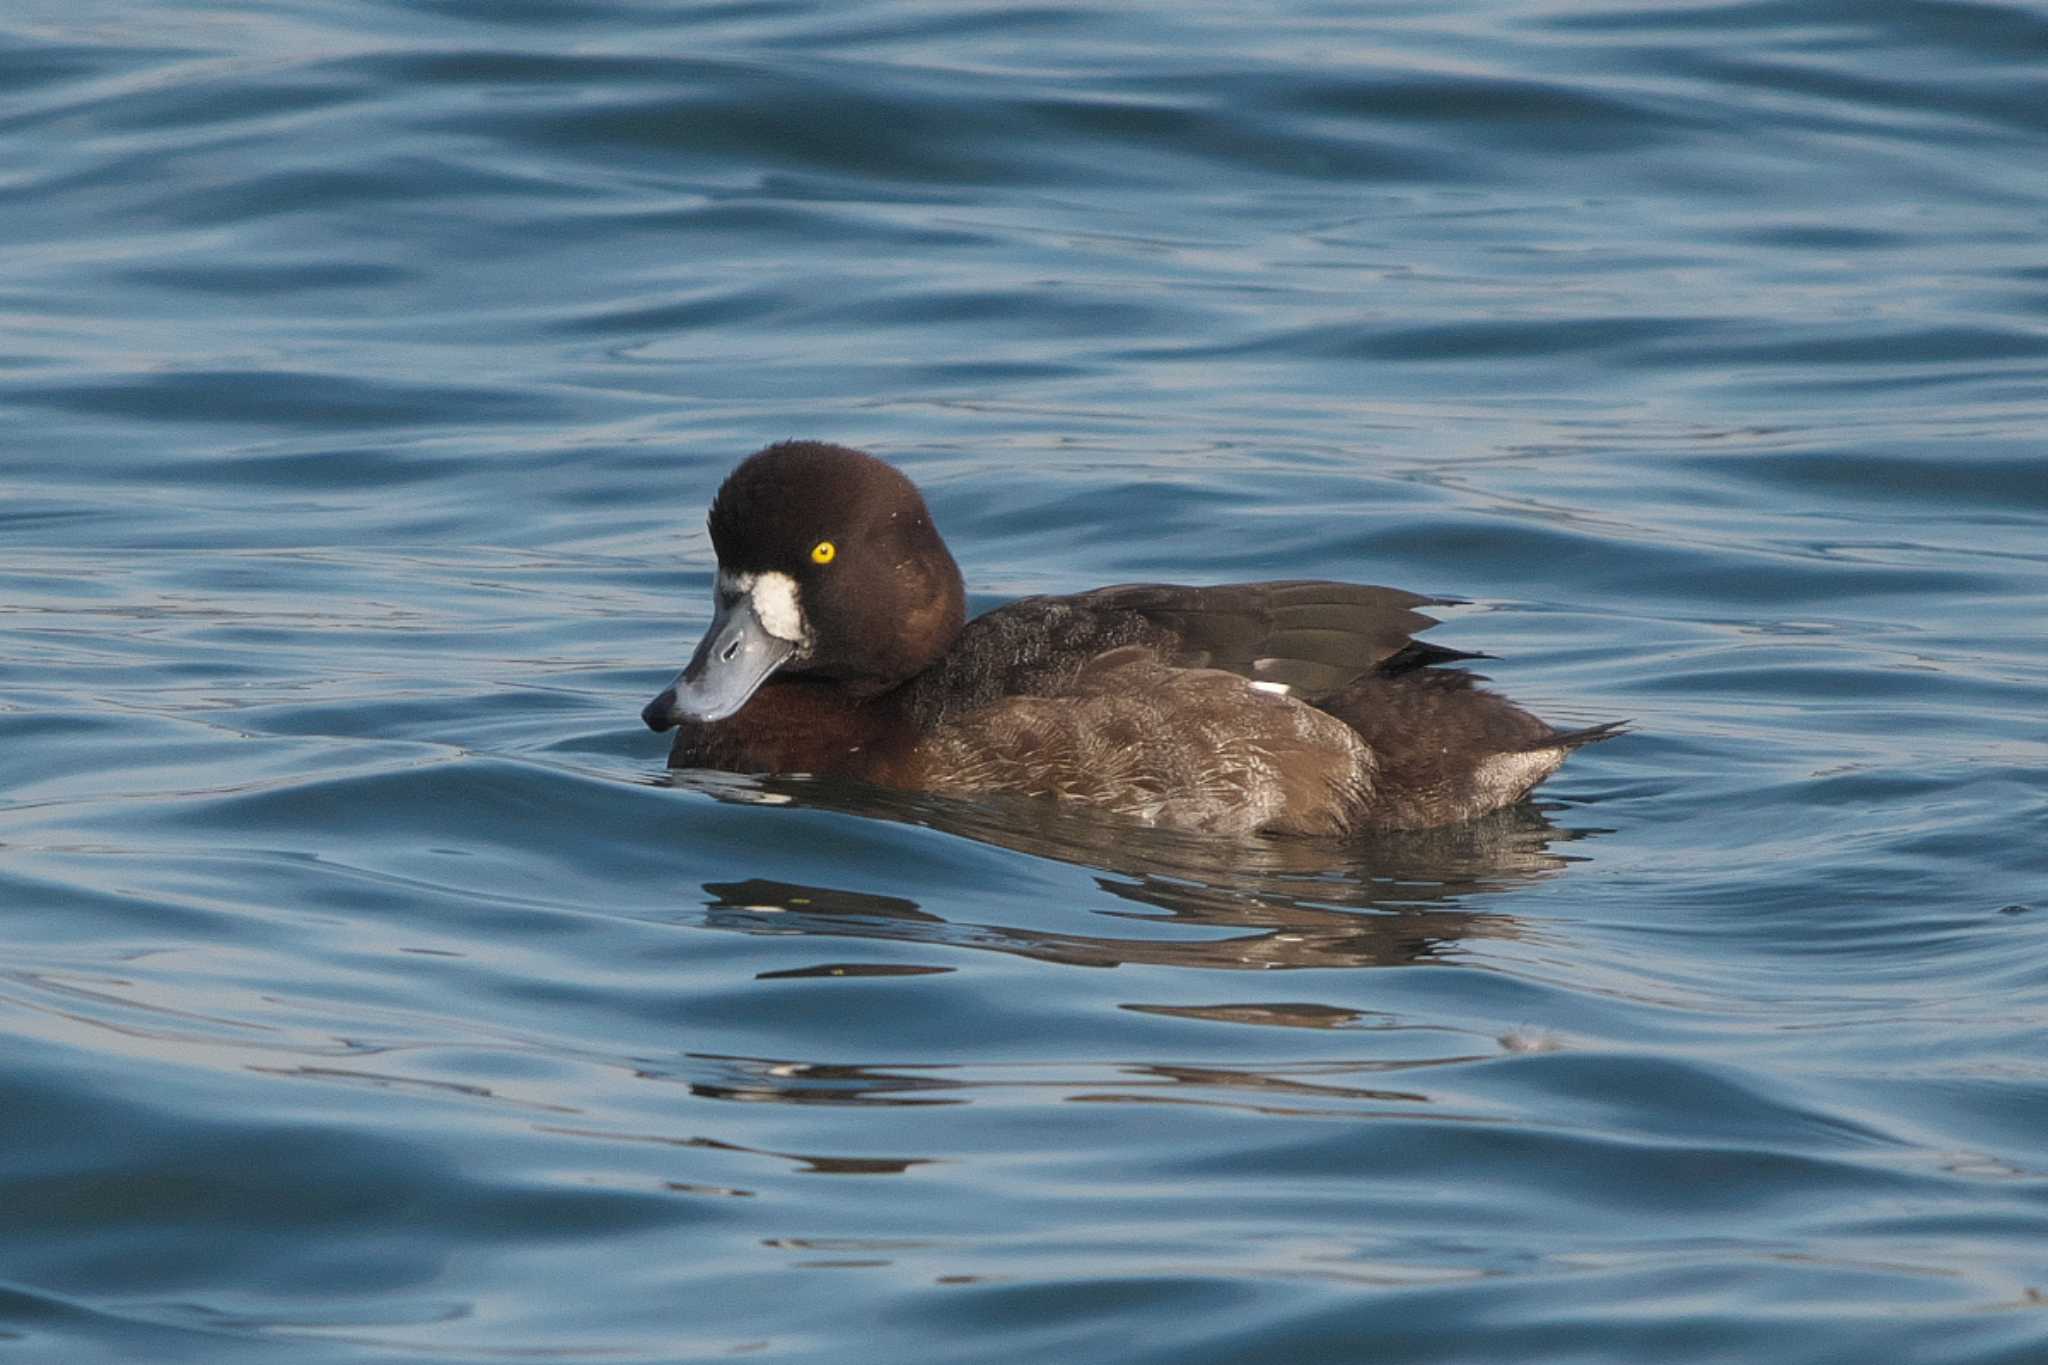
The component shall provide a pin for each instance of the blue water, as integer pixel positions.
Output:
(372, 993)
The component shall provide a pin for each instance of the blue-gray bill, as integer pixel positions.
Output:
(734, 658)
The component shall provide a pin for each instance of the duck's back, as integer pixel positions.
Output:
(1300, 706)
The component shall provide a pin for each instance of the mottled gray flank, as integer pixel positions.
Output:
(1198, 749)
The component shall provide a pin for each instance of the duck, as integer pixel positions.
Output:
(839, 646)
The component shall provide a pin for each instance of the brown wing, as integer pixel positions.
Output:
(1313, 636)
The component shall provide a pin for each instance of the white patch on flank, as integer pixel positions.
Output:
(1278, 689)
(775, 606)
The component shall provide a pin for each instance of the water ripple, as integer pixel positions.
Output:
(374, 991)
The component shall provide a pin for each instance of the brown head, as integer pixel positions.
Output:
(829, 567)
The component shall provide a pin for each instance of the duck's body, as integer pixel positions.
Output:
(838, 648)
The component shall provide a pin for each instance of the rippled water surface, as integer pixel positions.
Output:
(372, 992)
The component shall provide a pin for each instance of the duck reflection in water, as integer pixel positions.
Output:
(1391, 900)
(1396, 898)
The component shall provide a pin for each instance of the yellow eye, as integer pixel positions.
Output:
(823, 551)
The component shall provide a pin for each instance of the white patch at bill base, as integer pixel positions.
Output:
(776, 608)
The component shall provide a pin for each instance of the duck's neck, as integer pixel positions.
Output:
(792, 725)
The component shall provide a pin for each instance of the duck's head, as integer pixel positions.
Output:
(828, 567)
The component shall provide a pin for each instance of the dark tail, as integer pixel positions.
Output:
(1592, 734)
(1417, 654)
